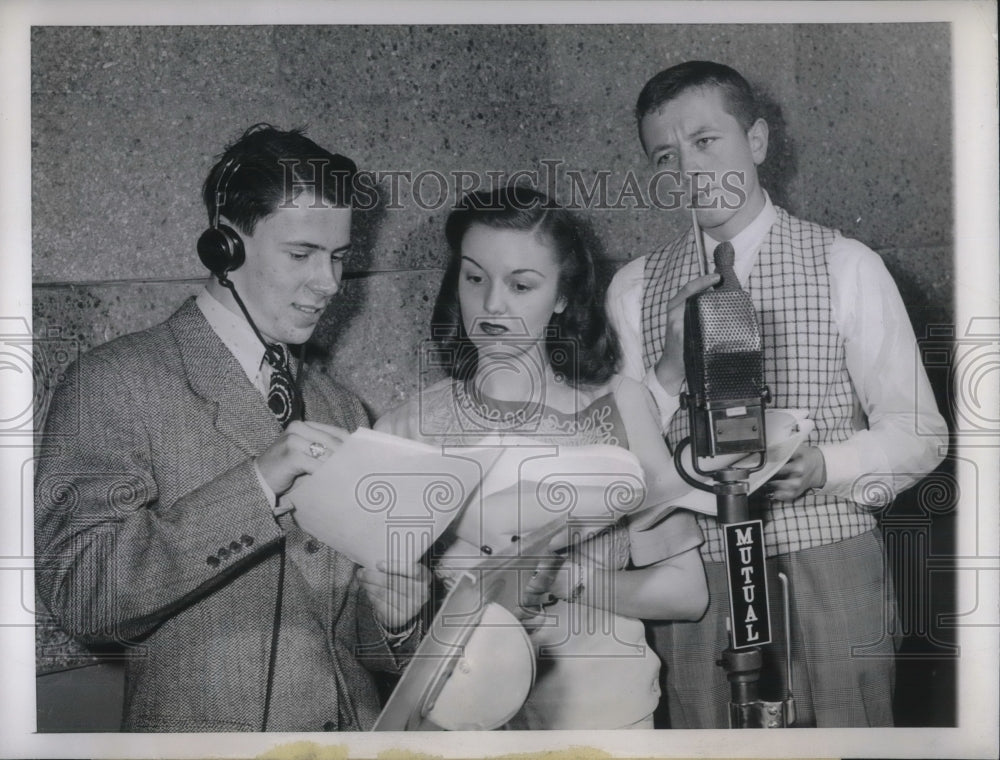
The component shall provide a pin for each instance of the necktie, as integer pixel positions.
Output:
(724, 256)
(281, 393)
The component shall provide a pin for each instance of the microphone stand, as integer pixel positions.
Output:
(715, 429)
(748, 601)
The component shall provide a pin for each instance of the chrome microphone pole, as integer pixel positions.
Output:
(749, 624)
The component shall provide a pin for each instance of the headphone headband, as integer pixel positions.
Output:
(220, 192)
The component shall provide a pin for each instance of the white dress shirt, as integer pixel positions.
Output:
(906, 435)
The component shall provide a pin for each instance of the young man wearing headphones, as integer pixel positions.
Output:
(159, 516)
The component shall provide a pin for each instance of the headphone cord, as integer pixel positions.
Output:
(276, 630)
(227, 283)
(276, 624)
(298, 406)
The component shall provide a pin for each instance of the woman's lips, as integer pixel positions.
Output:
(493, 329)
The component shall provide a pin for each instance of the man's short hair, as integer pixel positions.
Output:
(671, 83)
(267, 168)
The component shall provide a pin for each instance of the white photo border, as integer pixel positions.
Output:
(976, 282)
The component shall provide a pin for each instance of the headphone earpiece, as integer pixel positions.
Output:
(220, 247)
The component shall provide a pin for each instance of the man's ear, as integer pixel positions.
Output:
(757, 136)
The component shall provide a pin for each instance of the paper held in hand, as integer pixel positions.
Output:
(787, 429)
(382, 496)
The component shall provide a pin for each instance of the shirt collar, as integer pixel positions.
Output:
(234, 332)
(748, 240)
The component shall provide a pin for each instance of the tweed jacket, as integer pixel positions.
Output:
(153, 532)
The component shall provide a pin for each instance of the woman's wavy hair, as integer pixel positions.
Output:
(581, 344)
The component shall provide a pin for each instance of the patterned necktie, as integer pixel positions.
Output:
(724, 256)
(281, 393)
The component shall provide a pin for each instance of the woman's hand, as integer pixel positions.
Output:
(556, 577)
(397, 591)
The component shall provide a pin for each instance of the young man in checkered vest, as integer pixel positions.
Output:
(838, 343)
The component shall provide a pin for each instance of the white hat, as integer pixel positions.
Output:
(491, 679)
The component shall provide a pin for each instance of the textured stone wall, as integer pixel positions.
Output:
(126, 122)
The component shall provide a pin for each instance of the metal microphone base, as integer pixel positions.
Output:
(746, 708)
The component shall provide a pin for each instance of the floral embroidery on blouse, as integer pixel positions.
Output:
(598, 423)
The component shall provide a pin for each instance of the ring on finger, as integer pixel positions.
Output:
(317, 450)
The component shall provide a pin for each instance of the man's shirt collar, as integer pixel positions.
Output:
(748, 240)
(235, 333)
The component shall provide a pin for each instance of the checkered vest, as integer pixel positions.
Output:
(804, 365)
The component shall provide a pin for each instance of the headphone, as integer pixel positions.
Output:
(220, 247)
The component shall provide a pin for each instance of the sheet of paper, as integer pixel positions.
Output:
(381, 496)
(530, 483)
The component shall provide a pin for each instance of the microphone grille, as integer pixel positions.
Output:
(724, 346)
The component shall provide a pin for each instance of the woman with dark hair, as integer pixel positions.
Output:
(520, 326)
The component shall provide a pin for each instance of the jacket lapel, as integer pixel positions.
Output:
(214, 375)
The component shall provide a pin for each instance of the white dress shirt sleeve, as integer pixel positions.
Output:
(623, 304)
(271, 497)
(906, 434)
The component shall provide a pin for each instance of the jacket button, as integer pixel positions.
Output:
(235, 546)
(246, 540)
(213, 561)
(330, 726)
(313, 546)
(223, 552)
